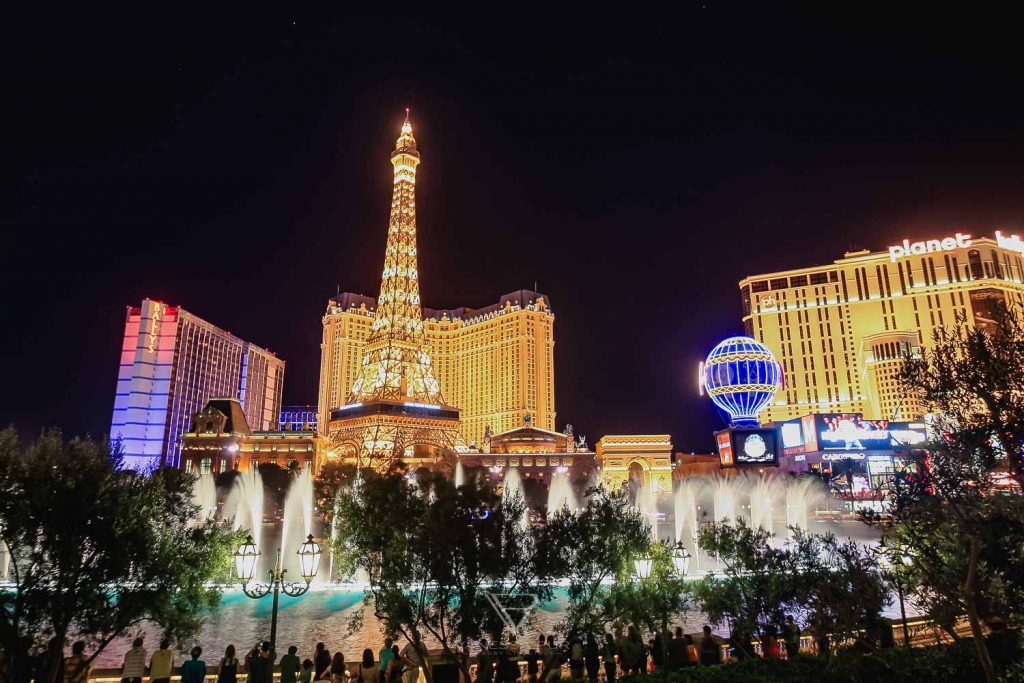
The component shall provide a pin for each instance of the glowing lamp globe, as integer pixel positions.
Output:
(741, 376)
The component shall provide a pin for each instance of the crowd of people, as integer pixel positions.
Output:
(392, 665)
(619, 654)
(586, 656)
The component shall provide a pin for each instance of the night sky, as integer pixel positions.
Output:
(634, 167)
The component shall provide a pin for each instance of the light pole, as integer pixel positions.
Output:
(245, 566)
(681, 559)
(643, 565)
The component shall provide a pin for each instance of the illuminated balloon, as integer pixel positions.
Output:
(741, 376)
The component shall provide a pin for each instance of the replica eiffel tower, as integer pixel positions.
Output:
(395, 411)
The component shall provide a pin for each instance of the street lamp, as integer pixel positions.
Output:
(681, 559)
(643, 566)
(245, 566)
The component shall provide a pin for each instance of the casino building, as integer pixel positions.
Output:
(219, 440)
(840, 330)
(857, 457)
(172, 363)
(495, 363)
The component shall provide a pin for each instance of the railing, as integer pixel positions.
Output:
(922, 633)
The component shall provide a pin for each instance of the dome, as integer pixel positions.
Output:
(741, 376)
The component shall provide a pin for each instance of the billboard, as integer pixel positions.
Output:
(739, 447)
(755, 446)
(724, 448)
(851, 432)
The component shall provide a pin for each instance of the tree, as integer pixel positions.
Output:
(652, 602)
(834, 584)
(961, 538)
(839, 585)
(756, 587)
(96, 550)
(432, 552)
(974, 376)
(589, 548)
(956, 541)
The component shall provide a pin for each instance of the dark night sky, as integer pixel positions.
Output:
(635, 167)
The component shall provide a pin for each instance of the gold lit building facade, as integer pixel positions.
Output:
(495, 363)
(219, 440)
(645, 458)
(841, 330)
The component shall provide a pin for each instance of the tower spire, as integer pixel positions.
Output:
(396, 364)
(395, 410)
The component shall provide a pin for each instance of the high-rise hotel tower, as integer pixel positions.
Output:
(841, 330)
(172, 363)
(496, 363)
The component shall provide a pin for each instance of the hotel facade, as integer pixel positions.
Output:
(840, 331)
(172, 364)
(496, 364)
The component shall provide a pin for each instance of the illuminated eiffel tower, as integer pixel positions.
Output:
(395, 410)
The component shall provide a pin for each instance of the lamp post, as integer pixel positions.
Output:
(245, 566)
(643, 565)
(681, 559)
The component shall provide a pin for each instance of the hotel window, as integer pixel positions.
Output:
(206, 466)
(798, 281)
(974, 263)
(819, 278)
(996, 266)
(780, 283)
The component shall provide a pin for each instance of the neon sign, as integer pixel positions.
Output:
(836, 457)
(154, 327)
(908, 248)
(1013, 242)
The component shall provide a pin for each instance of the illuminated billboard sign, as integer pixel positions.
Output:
(755, 447)
(799, 435)
(724, 448)
(851, 432)
(792, 435)
(738, 447)
(908, 248)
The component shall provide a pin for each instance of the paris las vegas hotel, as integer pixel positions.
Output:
(495, 363)
(395, 377)
(841, 330)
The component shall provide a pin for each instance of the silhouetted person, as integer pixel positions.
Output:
(677, 651)
(290, 666)
(227, 672)
(710, 652)
(592, 657)
(194, 670)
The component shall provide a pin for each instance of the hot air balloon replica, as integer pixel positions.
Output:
(741, 377)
